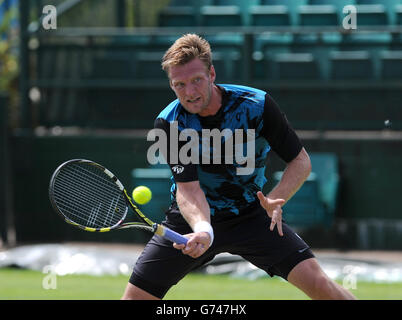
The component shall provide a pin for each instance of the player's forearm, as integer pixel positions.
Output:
(293, 177)
(192, 203)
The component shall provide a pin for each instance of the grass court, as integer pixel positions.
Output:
(17, 284)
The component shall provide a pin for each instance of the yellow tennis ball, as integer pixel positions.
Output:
(142, 195)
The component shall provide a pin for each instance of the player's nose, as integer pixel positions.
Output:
(190, 92)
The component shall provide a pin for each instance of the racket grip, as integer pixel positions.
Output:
(170, 234)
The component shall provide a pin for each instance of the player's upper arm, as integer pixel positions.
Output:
(181, 172)
(278, 132)
(189, 187)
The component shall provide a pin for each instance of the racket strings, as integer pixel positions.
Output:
(101, 187)
(87, 196)
(87, 206)
(85, 184)
(80, 209)
(92, 183)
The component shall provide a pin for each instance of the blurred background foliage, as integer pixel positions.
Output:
(9, 38)
(8, 47)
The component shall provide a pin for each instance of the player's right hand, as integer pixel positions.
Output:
(196, 246)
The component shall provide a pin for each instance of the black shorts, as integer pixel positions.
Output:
(160, 266)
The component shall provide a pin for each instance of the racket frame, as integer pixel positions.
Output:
(147, 224)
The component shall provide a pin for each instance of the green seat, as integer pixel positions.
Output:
(372, 1)
(337, 3)
(138, 40)
(304, 209)
(266, 47)
(292, 5)
(243, 5)
(391, 62)
(398, 13)
(389, 5)
(115, 65)
(315, 202)
(325, 166)
(276, 15)
(386, 3)
(318, 15)
(320, 46)
(225, 41)
(149, 65)
(273, 42)
(177, 17)
(373, 42)
(351, 65)
(227, 57)
(371, 15)
(297, 66)
(161, 42)
(221, 16)
(226, 65)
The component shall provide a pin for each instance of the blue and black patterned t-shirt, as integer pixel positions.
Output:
(232, 146)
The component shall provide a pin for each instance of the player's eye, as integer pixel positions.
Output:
(179, 85)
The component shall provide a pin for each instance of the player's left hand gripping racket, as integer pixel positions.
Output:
(90, 197)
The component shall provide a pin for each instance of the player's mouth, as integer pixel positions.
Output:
(194, 100)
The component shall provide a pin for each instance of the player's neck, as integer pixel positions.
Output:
(215, 104)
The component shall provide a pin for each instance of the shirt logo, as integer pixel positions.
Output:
(178, 169)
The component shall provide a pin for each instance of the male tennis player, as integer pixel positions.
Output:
(218, 209)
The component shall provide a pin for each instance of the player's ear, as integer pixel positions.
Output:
(171, 84)
(168, 76)
(212, 73)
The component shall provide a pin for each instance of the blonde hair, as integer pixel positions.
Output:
(185, 49)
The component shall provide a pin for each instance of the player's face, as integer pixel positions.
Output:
(193, 83)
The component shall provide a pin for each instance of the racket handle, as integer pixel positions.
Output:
(169, 234)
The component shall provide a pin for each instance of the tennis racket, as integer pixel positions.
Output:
(90, 197)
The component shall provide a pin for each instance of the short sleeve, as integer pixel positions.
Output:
(278, 132)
